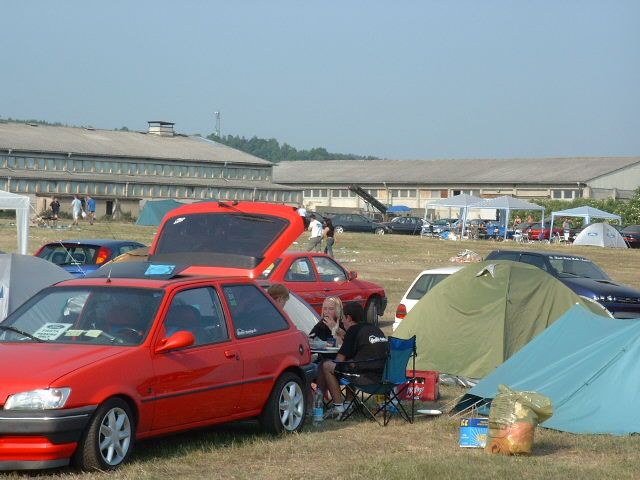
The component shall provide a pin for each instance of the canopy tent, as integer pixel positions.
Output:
(398, 209)
(587, 364)
(587, 213)
(22, 276)
(600, 235)
(154, 211)
(508, 203)
(472, 321)
(462, 201)
(20, 204)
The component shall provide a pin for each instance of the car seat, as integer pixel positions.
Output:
(184, 317)
(59, 258)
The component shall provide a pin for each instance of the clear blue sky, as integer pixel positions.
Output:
(395, 79)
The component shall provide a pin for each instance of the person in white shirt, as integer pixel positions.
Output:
(303, 213)
(76, 209)
(316, 235)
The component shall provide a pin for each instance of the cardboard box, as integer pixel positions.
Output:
(427, 386)
(473, 432)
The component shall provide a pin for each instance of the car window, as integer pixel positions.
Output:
(535, 260)
(270, 269)
(513, 256)
(252, 313)
(329, 270)
(199, 311)
(577, 267)
(425, 283)
(69, 254)
(87, 315)
(300, 271)
(126, 248)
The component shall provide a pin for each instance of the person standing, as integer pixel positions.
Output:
(55, 210)
(315, 227)
(76, 209)
(91, 208)
(566, 229)
(303, 213)
(329, 237)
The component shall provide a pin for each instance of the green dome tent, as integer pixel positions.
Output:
(471, 322)
(154, 211)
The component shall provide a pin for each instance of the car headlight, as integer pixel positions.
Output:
(43, 399)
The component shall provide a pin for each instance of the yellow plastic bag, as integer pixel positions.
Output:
(513, 418)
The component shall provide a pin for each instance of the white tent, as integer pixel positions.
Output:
(20, 204)
(508, 203)
(303, 315)
(600, 235)
(22, 276)
(585, 212)
(462, 201)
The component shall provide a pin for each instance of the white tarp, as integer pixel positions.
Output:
(585, 212)
(303, 315)
(19, 203)
(600, 235)
(462, 201)
(22, 276)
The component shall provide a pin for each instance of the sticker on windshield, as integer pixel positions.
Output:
(51, 331)
(178, 220)
(159, 269)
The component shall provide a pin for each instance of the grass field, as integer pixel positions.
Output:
(360, 449)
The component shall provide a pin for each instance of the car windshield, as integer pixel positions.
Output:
(84, 315)
(270, 269)
(577, 267)
(425, 283)
(630, 229)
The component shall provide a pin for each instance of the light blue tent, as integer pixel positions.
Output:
(588, 365)
(587, 213)
(155, 210)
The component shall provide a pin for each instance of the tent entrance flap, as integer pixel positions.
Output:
(20, 204)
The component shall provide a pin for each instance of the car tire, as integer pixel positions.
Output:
(372, 312)
(379, 231)
(286, 409)
(338, 229)
(108, 440)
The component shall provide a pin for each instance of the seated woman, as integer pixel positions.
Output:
(332, 321)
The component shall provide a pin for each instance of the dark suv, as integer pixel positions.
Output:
(354, 222)
(582, 276)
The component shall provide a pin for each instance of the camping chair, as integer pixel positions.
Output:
(393, 384)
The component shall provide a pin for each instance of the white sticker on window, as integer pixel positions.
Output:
(178, 220)
(51, 331)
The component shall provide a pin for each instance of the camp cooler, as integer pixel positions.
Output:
(426, 388)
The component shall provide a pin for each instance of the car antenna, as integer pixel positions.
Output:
(72, 262)
(109, 275)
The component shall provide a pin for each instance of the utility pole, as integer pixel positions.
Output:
(217, 130)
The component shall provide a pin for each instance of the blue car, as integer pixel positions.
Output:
(582, 276)
(80, 257)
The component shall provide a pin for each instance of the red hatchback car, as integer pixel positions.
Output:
(143, 349)
(315, 276)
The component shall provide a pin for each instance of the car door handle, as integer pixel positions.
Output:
(231, 354)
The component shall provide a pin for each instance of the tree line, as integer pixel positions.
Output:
(270, 149)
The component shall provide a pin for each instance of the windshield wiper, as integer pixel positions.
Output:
(21, 332)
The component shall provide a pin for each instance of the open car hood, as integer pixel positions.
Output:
(226, 238)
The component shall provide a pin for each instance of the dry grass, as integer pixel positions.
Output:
(358, 449)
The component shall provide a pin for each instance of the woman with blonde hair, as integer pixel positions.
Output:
(331, 324)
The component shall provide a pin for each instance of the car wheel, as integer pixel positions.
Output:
(380, 231)
(372, 312)
(286, 408)
(108, 441)
(339, 229)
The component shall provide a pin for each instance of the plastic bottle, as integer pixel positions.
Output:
(318, 407)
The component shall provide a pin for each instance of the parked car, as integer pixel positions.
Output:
(443, 225)
(142, 349)
(425, 281)
(80, 257)
(405, 225)
(315, 276)
(536, 232)
(631, 235)
(582, 276)
(354, 222)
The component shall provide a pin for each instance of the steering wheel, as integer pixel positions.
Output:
(128, 334)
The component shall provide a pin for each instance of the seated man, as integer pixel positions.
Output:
(184, 318)
(366, 346)
(125, 323)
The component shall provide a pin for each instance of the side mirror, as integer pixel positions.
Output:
(353, 275)
(178, 340)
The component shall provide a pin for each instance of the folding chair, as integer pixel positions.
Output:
(391, 387)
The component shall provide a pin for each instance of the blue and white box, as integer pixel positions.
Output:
(473, 432)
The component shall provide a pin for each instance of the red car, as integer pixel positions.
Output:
(315, 276)
(534, 231)
(138, 350)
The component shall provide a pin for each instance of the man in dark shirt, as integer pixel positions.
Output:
(366, 346)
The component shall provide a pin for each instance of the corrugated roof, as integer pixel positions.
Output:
(85, 141)
(463, 171)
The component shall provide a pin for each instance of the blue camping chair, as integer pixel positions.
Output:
(393, 384)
